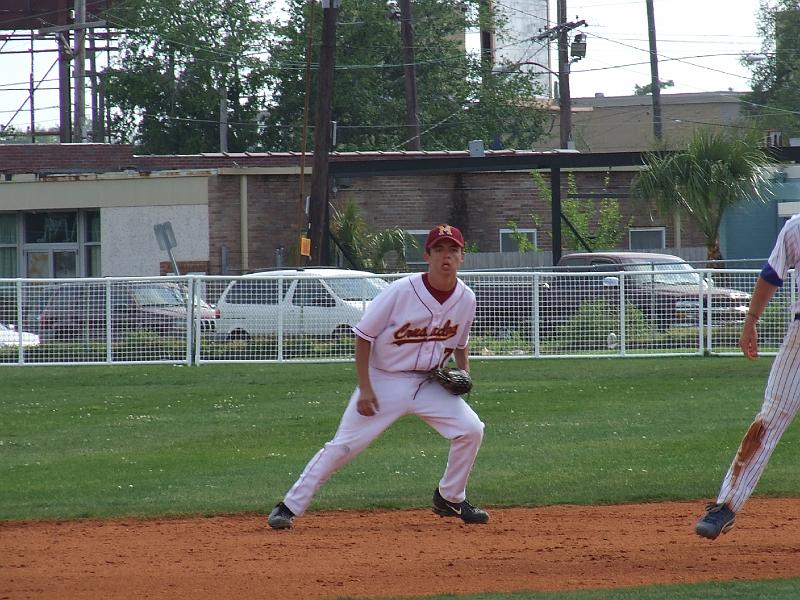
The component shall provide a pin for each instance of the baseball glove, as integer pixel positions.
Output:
(455, 381)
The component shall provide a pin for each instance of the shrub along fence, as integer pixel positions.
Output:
(275, 317)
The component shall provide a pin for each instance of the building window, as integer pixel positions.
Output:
(9, 263)
(508, 243)
(647, 238)
(414, 255)
(91, 243)
(55, 244)
(51, 228)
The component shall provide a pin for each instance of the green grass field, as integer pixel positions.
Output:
(779, 589)
(216, 439)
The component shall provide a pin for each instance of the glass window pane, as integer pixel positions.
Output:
(8, 228)
(414, 255)
(38, 265)
(8, 262)
(647, 239)
(65, 264)
(508, 242)
(93, 261)
(51, 228)
(93, 226)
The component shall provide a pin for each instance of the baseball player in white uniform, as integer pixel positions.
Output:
(416, 324)
(781, 396)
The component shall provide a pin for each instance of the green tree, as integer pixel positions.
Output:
(363, 247)
(459, 97)
(646, 90)
(177, 59)
(601, 225)
(775, 81)
(714, 172)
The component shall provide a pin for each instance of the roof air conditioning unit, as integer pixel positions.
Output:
(773, 138)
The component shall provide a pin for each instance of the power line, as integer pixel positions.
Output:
(677, 58)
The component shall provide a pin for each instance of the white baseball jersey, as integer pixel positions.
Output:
(785, 255)
(782, 393)
(410, 333)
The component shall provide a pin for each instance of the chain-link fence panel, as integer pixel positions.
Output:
(722, 337)
(308, 314)
(643, 310)
(289, 315)
(111, 320)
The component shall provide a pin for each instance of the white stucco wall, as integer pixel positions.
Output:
(130, 205)
(526, 18)
(129, 243)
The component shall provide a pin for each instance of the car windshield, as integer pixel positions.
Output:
(667, 273)
(159, 295)
(365, 288)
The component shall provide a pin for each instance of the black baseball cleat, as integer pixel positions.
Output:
(281, 517)
(463, 510)
(718, 519)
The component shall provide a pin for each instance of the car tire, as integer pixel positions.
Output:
(239, 335)
(343, 333)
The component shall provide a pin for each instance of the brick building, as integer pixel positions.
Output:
(89, 209)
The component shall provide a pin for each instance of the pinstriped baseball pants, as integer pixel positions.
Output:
(781, 403)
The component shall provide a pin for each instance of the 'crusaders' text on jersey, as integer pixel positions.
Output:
(411, 331)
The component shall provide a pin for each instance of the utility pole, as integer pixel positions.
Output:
(80, 71)
(564, 100)
(223, 118)
(655, 83)
(560, 33)
(318, 202)
(410, 71)
(31, 89)
(97, 117)
(64, 88)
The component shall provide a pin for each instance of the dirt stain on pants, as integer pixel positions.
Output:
(751, 443)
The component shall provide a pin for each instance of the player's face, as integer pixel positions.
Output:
(445, 256)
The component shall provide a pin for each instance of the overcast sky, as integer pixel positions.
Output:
(700, 43)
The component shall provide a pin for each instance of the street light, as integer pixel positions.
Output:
(754, 57)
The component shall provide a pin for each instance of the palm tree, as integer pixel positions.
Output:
(365, 248)
(714, 172)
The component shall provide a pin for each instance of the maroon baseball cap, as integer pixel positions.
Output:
(444, 232)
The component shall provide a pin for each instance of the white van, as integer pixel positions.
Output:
(318, 301)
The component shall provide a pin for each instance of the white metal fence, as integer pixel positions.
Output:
(298, 317)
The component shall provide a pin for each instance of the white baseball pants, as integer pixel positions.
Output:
(398, 394)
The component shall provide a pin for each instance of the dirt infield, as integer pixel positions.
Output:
(402, 553)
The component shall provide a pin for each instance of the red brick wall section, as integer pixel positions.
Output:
(185, 266)
(484, 203)
(277, 216)
(64, 158)
(224, 224)
(275, 220)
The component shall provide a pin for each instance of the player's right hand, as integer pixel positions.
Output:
(748, 340)
(367, 404)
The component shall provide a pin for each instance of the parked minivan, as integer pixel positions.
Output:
(315, 301)
(78, 310)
